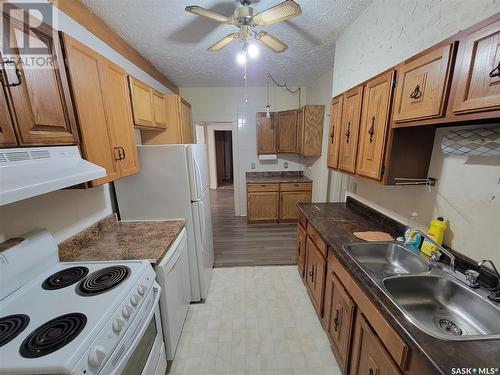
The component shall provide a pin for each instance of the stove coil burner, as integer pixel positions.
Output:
(53, 335)
(102, 280)
(65, 278)
(11, 326)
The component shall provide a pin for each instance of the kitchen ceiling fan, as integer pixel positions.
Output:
(246, 20)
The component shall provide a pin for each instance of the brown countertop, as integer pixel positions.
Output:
(276, 177)
(335, 223)
(110, 239)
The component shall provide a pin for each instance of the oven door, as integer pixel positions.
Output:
(141, 351)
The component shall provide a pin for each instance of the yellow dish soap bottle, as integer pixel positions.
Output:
(436, 232)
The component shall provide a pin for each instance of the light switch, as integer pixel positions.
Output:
(285, 165)
(252, 166)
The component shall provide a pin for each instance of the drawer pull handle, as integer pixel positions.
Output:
(416, 93)
(371, 131)
(3, 77)
(348, 133)
(370, 371)
(332, 134)
(118, 155)
(336, 320)
(495, 72)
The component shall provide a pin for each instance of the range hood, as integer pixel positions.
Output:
(27, 172)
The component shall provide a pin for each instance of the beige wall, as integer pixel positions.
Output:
(468, 191)
(67, 212)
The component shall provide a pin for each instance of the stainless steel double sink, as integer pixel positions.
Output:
(429, 296)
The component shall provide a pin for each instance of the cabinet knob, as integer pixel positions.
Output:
(416, 93)
(336, 320)
(495, 72)
(371, 131)
(348, 133)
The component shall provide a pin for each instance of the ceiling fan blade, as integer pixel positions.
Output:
(220, 44)
(282, 11)
(275, 44)
(209, 14)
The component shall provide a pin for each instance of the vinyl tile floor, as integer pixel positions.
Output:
(256, 320)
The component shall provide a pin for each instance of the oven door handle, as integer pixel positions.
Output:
(140, 332)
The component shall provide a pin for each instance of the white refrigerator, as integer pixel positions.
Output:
(174, 183)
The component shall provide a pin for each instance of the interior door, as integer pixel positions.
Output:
(98, 139)
(373, 128)
(40, 95)
(351, 115)
(334, 134)
(119, 114)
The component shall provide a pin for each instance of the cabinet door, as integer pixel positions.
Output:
(315, 275)
(142, 103)
(263, 206)
(422, 86)
(98, 144)
(373, 128)
(287, 131)
(301, 249)
(351, 114)
(288, 204)
(266, 133)
(7, 135)
(119, 114)
(159, 109)
(479, 78)
(370, 357)
(300, 130)
(334, 132)
(186, 122)
(40, 96)
(312, 135)
(341, 321)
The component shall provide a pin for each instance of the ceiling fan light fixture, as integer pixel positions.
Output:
(241, 58)
(253, 50)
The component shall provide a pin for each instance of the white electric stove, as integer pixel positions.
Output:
(84, 318)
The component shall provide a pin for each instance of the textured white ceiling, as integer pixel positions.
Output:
(176, 41)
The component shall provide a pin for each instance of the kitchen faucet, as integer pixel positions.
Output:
(494, 292)
(436, 255)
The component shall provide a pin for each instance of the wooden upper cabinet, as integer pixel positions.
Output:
(287, 131)
(374, 124)
(266, 133)
(179, 124)
(341, 321)
(119, 115)
(300, 130)
(98, 141)
(159, 109)
(41, 98)
(186, 122)
(351, 114)
(370, 356)
(142, 103)
(334, 132)
(7, 135)
(310, 137)
(421, 87)
(478, 86)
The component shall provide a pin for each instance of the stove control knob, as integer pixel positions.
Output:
(96, 356)
(118, 324)
(134, 299)
(141, 289)
(127, 311)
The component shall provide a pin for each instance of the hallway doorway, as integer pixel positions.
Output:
(224, 158)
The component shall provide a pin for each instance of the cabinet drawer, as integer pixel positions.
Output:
(315, 237)
(263, 187)
(296, 186)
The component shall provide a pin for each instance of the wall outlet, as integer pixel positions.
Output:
(353, 187)
(252, 166)
(285, 165)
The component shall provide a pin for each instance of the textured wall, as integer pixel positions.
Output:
(468, 190)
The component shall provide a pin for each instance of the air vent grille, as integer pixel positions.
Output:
(19, 155)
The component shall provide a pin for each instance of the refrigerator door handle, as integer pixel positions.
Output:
(202, 222)
(197, 177)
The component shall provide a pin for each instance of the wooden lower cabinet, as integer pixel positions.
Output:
(315, 275)
(301, 249)
(370, 356)
(341, 320)
(288, 204)
(262, 206)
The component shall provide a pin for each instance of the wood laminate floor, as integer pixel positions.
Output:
(237, 243)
